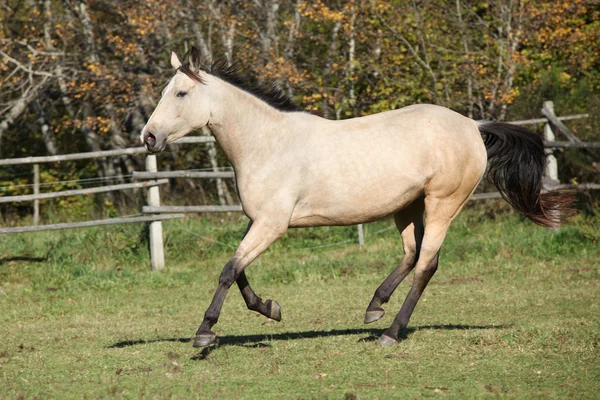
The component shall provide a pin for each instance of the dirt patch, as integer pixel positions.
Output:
(455, 281)
(398, 355)
(579, 270)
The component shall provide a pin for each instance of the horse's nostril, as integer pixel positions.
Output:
(150, 139)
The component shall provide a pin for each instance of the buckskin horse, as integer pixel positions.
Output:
(419, 164)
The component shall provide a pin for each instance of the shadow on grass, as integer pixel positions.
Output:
(257, 341)
(22, 258)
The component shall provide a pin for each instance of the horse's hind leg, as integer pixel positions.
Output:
(270, 308)
(409, 222)
(439, 215)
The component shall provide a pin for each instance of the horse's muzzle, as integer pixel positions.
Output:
(151, 144)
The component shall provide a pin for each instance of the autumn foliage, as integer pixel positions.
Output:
(85, 75)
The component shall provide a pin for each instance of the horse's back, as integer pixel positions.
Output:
(423, 139)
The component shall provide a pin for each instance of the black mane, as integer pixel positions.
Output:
(270, 93)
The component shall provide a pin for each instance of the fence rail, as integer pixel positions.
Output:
(182, 174)
(545, 120)
(153, 179)
(75, 192)
(573, 145)
(73, 157)
(190, 209)
(85, 224)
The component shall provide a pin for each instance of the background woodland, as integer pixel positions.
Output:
(85, 75)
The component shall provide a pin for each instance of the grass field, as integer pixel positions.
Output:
(513, 311)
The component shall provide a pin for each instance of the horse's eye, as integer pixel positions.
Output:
(181, 93)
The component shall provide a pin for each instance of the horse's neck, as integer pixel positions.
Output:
(245, 127)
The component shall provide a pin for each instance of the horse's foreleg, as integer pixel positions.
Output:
(258, 239)
(409, 222)
(270, 308)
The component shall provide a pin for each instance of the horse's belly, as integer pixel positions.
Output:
(353, 206)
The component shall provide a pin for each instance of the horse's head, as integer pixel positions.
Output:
(183, 107)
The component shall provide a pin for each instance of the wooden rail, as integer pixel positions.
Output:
(97, 154)
(182, 174)
(75, 192)
(73, 157)
(85, 224)
(545, 120)
(190, 209)
(574, 145)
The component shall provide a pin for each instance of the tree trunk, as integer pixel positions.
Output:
(269, 10)
(333, 45)
(463, 29)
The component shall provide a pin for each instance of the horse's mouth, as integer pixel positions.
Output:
(152, 145)
(150, 140)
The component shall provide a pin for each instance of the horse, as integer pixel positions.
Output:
(419, 164)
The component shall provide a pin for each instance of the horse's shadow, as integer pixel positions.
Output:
(257, 341)
(6, 260)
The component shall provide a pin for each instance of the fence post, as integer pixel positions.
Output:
(157, 252)
(36, 191)
(361, 236)
(551, 171)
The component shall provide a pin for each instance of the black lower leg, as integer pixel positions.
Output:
(269, 309)
(390, 336)
(204, 336)
(384, 291)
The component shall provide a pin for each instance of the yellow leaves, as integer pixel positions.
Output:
(92, 67)
(314, 97)
(318, 11)
(564, 78)
(510, 96)
(383, 6)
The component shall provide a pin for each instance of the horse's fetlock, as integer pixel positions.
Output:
(382, 295)
(253, 304)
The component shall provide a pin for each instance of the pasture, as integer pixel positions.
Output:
(513, 311)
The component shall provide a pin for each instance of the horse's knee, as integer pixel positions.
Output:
(228, 275)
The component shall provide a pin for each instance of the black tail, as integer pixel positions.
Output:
(516, 165)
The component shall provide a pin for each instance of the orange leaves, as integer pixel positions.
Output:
(318, 11)
(81, 89)
(509, 96)
(567, 34)
(146, 18)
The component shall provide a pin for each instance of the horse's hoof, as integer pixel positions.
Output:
(373, 315)
(205, 339)
(386, 341)
(274, 310)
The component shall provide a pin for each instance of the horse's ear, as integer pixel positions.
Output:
(175, 63)
(194, 59)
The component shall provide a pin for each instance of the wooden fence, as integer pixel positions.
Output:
(152, 179)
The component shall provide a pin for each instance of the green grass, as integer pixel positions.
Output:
(513, 311)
